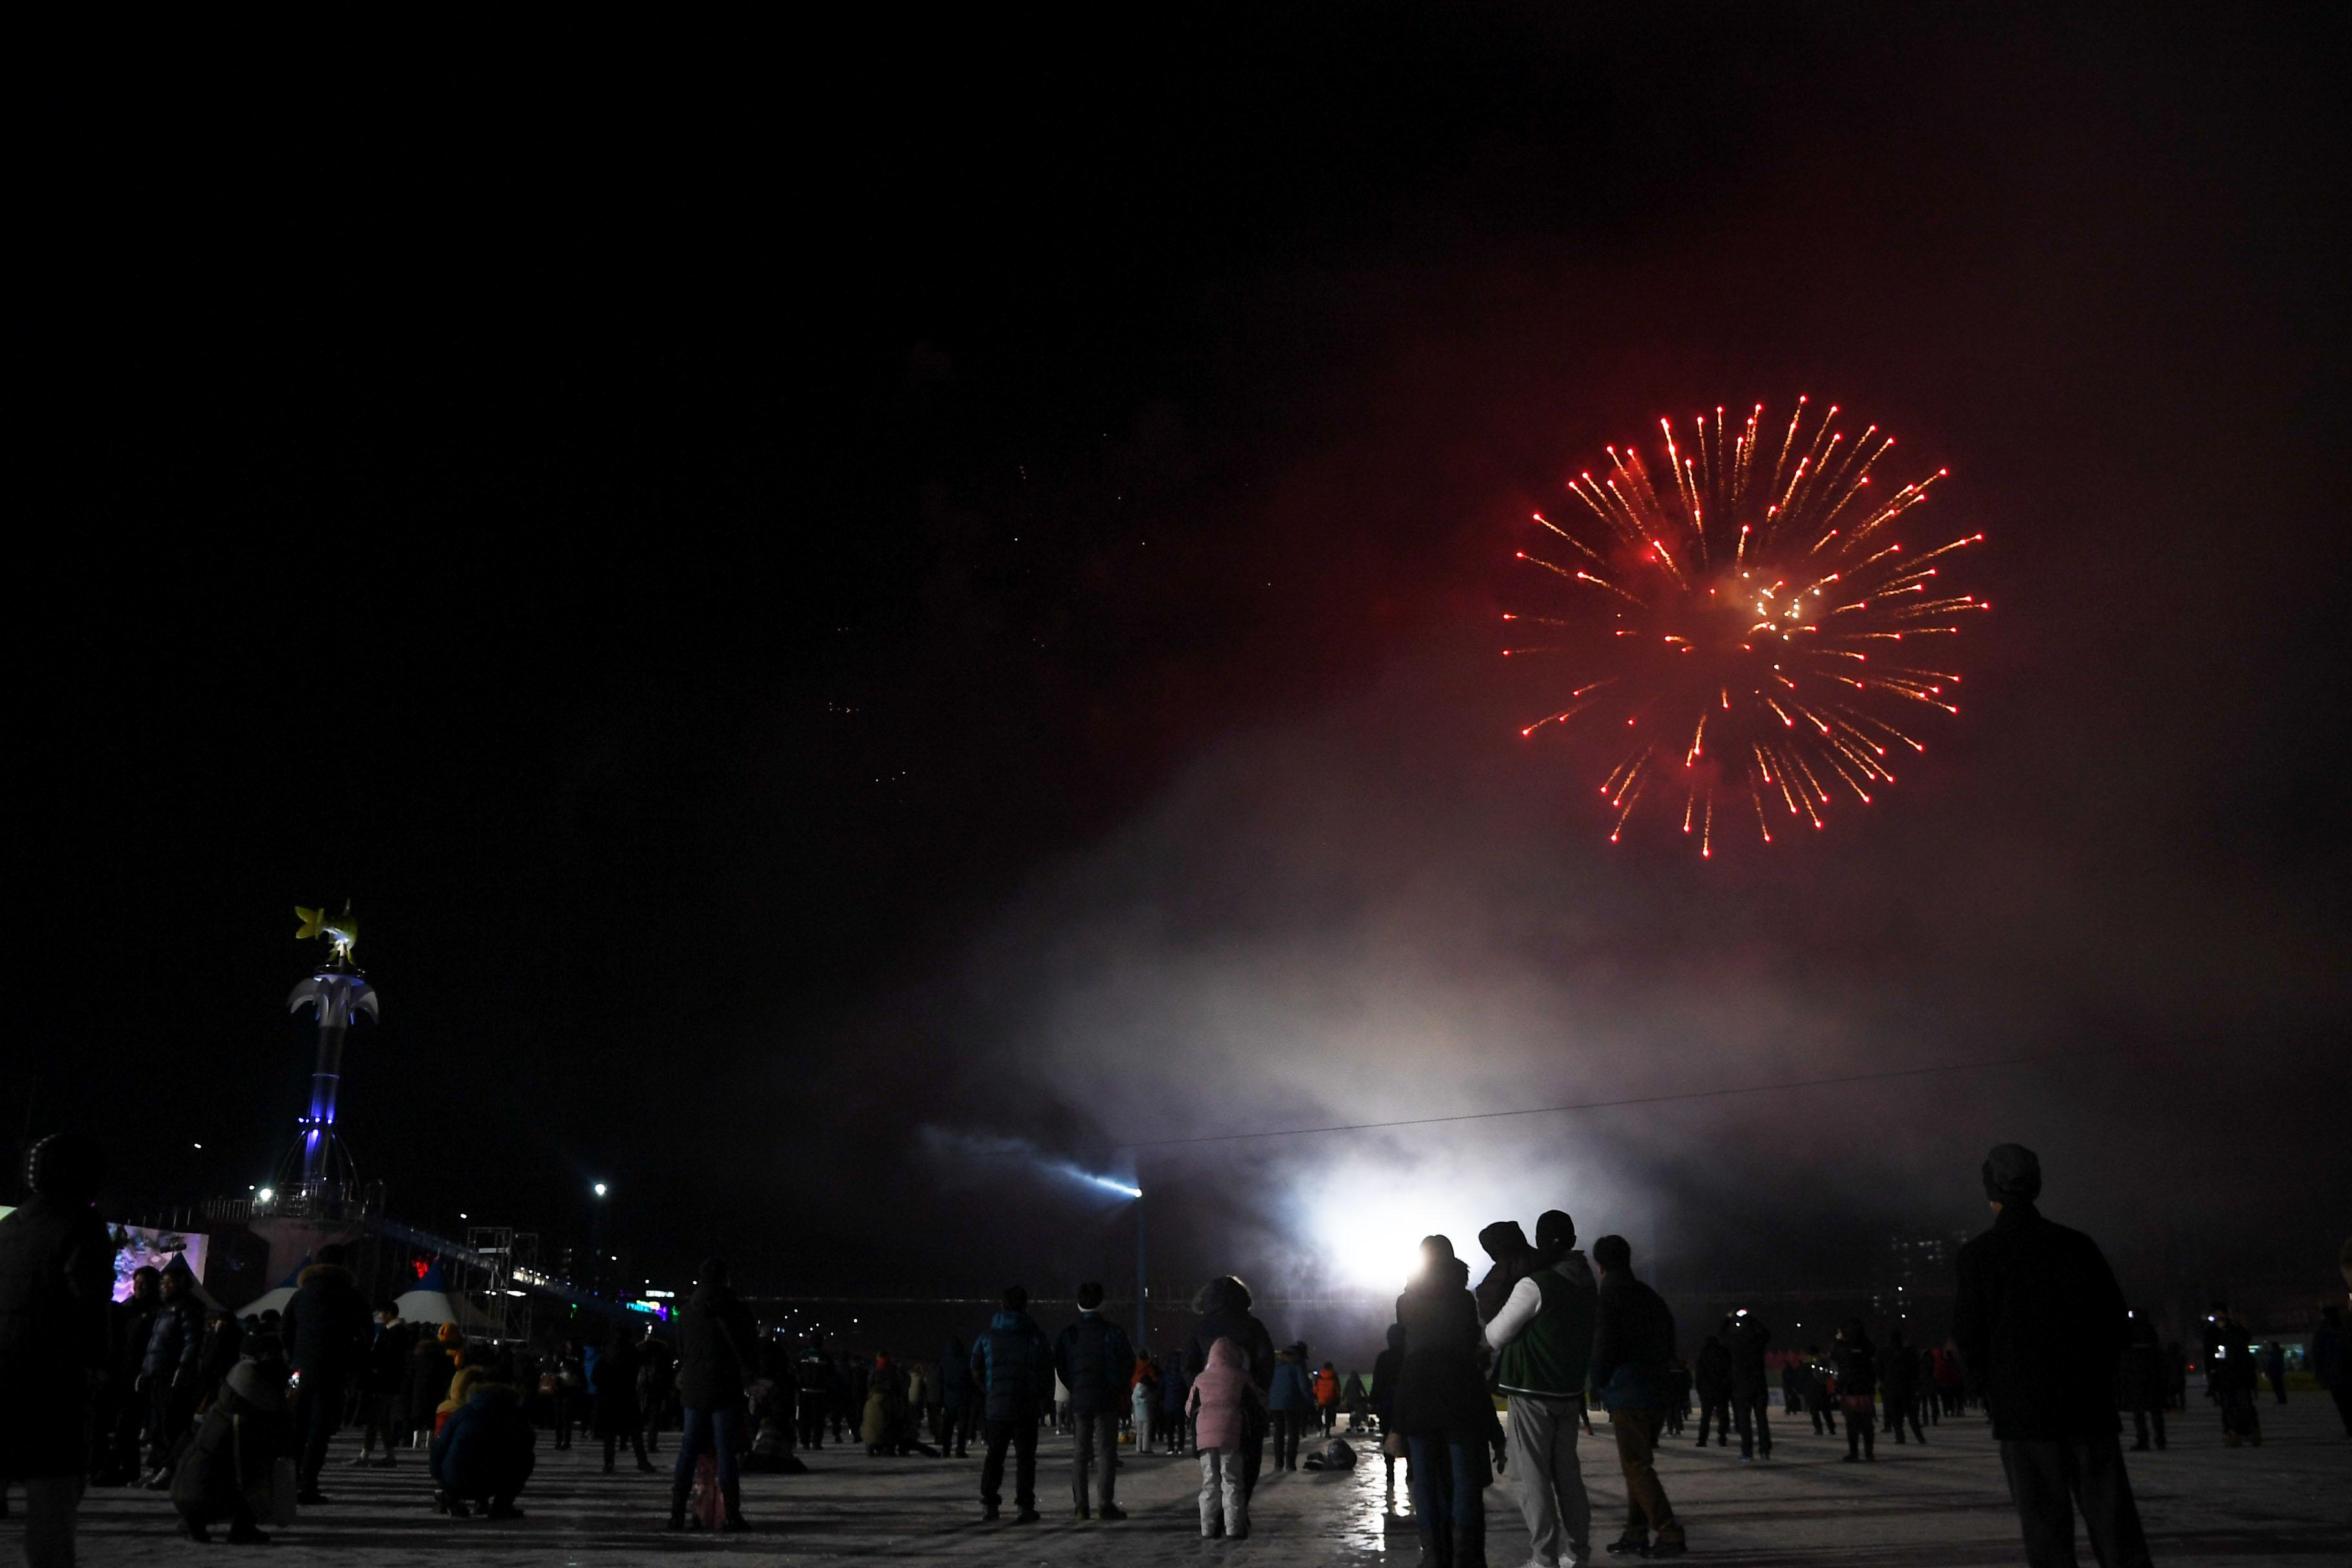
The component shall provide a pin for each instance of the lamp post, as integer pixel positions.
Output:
(1142, 1286)
(595, 1232)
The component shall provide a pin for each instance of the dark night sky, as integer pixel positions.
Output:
(817, 588)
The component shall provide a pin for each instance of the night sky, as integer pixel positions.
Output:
(836, 601)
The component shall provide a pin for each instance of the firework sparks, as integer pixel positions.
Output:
(1745, 616)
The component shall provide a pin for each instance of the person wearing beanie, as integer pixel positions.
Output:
(2041, 1321)
(1542, 1335)
(57, 1277)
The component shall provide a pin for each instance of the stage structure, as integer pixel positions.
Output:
(317, 1177)
(504, 1277)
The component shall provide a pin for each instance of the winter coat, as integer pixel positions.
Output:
(387, 1358)
(240, 1438)
(1293, 1389)
(1858, 1370)
(430, 1363)
(1542, 1331)
(1387, 1367)
(612, 1383)
(327, 1326)
(56, 1271)
(955, 1375)
(1712, 1376)
(2328, 1362)
(1175, 1383)
(1223, 1307)
(2141, 1380)
(133, 1320)
(1224, 1398)
(874, 1428)
(484, 1453)
(1013, 1366)
(1440, 1390)
(1898, 1373)
(717, 1344)
(176, 1341)
(2041, 1321)
(1326, 1386)
(1632, 1344)
(1094, 1358)
(1746, 1343)
(223, 1348)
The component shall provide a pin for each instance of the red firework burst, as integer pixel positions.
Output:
(1755, 628)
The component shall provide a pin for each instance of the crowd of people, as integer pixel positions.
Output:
(234, 1417)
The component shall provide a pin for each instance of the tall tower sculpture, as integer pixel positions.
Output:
(318, 1172)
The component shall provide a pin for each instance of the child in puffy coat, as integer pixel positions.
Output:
(1223, 1403)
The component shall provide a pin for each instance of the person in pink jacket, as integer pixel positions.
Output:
(1224, 1402)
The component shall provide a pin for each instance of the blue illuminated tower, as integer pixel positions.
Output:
(319, 1168)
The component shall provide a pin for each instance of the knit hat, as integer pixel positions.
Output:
(2013, 1174)
(1555, 1232)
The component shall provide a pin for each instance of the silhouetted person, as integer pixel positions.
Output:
(1746, 1337)
(1223, 1307)
(1013, 1366)
(2041, 1322)
(615, 1414)
(2331, 1358)
(57, 1272)
(236, 1446)
(2140, 1381)
(1542, 1334)
(717, 1346)
(2275, 1368)
(1094, 1359)
(1633, 1341)
(1712, 1377)
(2229, 1377)
(167, 1373)
(1288, 1404)
(1857, 1374)
(1898, 1380)
(327, 1330)
(1443, 1408)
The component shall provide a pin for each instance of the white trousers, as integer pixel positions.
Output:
(1221, 1482)
(1549, 1481)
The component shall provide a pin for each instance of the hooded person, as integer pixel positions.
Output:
(718, 1347)
(1224, 1309)
(483, 1453)
(2041, 1324)
(233, 1457)
(1222, 1405)
(56, 1275)
(327, 1330)
(1542, 1334)
(1507, 1243)
(1443, 1408)
(1013, 1366)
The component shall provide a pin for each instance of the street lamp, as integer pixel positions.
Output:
(595, 1231)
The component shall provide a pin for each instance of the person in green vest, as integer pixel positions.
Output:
(1543, 1339)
